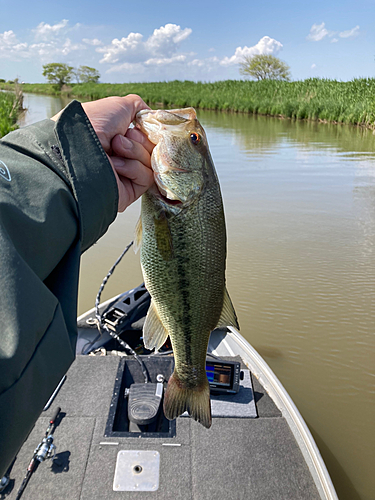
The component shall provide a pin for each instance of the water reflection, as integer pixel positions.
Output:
(40, 107)
(260, 133)
(299, 201)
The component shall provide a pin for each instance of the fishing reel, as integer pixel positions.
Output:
(45, 450)
(4, 481)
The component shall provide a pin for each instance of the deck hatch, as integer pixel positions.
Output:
(129, 372)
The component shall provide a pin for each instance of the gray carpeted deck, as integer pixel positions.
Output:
(238, 458)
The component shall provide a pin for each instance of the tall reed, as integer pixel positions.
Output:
(11, 105)
(314, 99)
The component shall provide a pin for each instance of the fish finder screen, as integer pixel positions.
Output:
(219, 374)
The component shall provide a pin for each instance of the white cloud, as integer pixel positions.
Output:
(197, 62)
(152, 56)
(8, 38)
(129, 47)
(208, 64)
(317, 32)
(54, 50)
(48, 51)
(159, 49)
(128, 68)
(44, 31)
(266, 45)
(166, 39)
(350, 33)
(135, 54)
(10, 47)
(162, 61)
(68, 46)
(313, 66)
(50, 42)
(94, 41)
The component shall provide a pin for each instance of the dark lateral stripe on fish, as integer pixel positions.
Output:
(184, 288)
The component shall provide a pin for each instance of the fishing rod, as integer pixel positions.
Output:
(45, 449)
(101, 323)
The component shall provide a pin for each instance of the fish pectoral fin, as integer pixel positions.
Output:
(138, 235)
(163, 236)
(228, 315)
(154, 333)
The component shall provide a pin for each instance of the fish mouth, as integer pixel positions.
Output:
(154, 122)
(160, 194)
(172, 203)
(164, 194)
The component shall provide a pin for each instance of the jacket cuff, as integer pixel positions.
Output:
(89, 172)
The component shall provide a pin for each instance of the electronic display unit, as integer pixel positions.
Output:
(223, 376)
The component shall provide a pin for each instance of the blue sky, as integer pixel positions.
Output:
(146, 40)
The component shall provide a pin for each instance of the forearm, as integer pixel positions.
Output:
(61, 197)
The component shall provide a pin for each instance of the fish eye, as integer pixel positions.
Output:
(195, 138)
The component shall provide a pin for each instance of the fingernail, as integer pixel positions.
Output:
(117, 161)
(126, 143)
(137, 135)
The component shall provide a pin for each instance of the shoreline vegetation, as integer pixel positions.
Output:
(11, 106)
(315, 99)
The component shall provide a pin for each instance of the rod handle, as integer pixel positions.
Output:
(54, 416)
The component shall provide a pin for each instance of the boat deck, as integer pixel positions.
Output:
(237, 458)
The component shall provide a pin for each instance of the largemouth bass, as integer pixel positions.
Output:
(183, 252)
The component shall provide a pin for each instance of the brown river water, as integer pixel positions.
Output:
(300, 209)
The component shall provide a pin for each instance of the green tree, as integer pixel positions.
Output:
(85, 74)
(265, 67)
(58, 73)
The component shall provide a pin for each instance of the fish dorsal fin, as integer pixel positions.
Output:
(228, 315)
(138, 235)
(154, 333)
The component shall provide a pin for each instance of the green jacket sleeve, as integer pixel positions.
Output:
(58, 195)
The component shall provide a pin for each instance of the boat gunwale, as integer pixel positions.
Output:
(290, 412)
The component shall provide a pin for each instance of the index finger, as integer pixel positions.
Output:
(136, 103)
(138, 136)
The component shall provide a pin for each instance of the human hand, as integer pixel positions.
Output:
(131, 163)
(128, 150)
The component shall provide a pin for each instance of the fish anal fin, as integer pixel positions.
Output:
(228, 315)
(163, 236)
(196, 401)
(138, 235)
(154, 333)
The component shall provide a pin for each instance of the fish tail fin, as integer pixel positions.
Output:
(196, 401)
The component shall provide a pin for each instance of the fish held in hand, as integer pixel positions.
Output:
(182, 238)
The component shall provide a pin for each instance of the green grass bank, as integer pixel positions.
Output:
(314, 99)
(10, 107)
